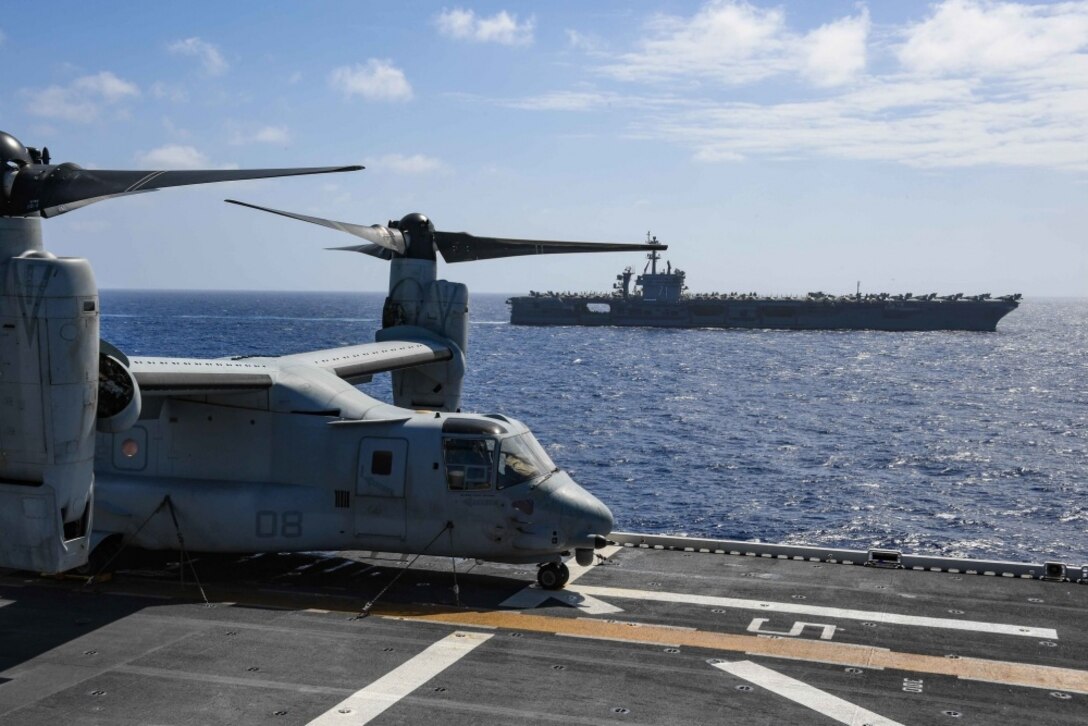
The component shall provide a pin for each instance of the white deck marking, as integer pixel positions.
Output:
(364, 705)
(767, 606)
(586, 603)
(577, 570)
(827, 632)
(804, 694)
(533, 595)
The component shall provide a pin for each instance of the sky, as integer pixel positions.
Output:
(777, 147)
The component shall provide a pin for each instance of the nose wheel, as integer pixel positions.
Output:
(553, 575)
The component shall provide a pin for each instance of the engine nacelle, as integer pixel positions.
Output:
(440, 308)
(48, 397)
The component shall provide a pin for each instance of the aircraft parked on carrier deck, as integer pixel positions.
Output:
(260, 454)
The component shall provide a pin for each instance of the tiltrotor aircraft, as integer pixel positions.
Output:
(52, 368)
(261, 454)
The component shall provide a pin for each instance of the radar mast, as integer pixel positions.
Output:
(653, 256)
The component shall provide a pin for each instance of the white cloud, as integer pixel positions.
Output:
(971, 83)
(106, 86)
(263, 135)
(61, 103)
(272, 135)
(169, 92)
(734, 43)
(584, 41)
(569, 101)
(730, 42)
(81, 100)
(973, 36)
(209, 56)
(173, 156)
(408, 165)
(592, 100)
(502, 27)
(377, 80)
(943, 124)
(835, 53)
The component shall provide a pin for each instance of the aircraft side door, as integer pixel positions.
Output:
(380, 507)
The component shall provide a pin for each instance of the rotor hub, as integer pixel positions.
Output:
(418, 232)
(12, 151)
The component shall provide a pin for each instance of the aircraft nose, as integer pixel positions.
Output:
(585, 517)
(598, 518)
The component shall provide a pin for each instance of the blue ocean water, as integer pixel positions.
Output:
(969, 444)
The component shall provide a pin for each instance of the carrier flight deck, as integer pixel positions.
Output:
(658, 631)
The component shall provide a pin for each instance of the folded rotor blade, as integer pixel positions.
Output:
(53, 190)
(390, 239)
(464, 247)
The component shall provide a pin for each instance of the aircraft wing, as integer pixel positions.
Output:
(356, 363)
(197, 376)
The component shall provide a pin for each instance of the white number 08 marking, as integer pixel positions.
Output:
(272, 524)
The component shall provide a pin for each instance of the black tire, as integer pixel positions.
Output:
(550, 576)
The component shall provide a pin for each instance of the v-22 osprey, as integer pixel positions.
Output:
(261, 454)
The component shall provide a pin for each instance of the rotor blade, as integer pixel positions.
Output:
(464, 247)
(373, 250)
(390, 239)
(62, 208)
(51, 189)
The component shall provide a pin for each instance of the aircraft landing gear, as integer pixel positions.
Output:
(553, 575)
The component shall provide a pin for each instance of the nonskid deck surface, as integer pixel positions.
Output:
(646, 637)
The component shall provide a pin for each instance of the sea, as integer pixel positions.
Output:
(945, 443)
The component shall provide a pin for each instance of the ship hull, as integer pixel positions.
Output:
(763, 313)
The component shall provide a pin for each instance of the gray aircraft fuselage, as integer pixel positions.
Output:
(280, 470)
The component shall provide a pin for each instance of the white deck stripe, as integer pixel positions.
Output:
(364, 705)
(577, 570)
(804, 694)
(766, 606)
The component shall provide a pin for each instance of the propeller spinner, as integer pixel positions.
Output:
(414, 236)
(31, 186)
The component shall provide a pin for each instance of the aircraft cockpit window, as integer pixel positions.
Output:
(521, 459)
(469, 463)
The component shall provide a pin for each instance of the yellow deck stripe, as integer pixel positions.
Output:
(846, 654)
(980, 669)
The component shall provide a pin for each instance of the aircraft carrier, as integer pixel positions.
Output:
(659, 300)
(660, 630)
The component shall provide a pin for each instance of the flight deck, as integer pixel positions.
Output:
(658, 631)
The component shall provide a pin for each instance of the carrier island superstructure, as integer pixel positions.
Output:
(659, 299)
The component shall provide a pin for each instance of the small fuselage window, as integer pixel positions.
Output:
(470, 463)
(381, 463)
